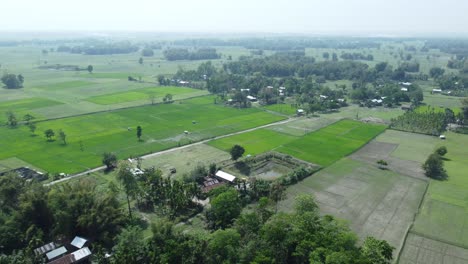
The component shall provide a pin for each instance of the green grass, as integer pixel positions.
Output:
(285, 109)
(163, 127)
(333, 142)
(322, 147)
(412, 146)
(444, 213)
(66, 85)
(142, 94)
(25, 106)
(437, 109)
(254, 142)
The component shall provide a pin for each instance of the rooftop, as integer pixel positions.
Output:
(225, 176)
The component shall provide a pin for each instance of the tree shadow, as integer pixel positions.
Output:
(445, 159)
(243, 167)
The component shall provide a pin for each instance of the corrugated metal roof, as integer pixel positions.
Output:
(55, 253)
(225, 176)
(45, 248)
(81, 254)
(78, 242)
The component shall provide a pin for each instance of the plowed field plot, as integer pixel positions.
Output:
(422, 250)
(374, 151)
(378, 203)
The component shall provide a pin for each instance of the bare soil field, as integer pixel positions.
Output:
(374, 151)
(422, 250)
(379, 203)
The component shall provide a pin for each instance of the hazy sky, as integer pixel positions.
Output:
(277, 16)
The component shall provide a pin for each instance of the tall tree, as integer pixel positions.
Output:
(225, 207)
(140, 61)
(128, 182)
(434, 167)
(27, 118)
(32, 127)
(109, 159)
(236, 152)
(377, 251)
(12, 121)
(90, 68)
(49, 133)
(139, 132)
(62, 136)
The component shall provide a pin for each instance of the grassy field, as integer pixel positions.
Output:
(444, 213)
(88, 136)
(285, 109)
(25, 106)
(144, 94)
(375, 202)
(254, 142)
(333, 142)
(322, 147)
(443, 217)
(185, 160)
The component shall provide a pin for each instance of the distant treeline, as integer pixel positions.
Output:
(100, 48)
(453, 46)
(357, 56)
(185, 54)
(286, 43)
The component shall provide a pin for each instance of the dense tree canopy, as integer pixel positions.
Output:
(12, 81)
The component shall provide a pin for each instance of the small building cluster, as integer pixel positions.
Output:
(26, 173)
(56, 254)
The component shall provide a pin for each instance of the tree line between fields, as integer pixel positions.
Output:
(33, 215)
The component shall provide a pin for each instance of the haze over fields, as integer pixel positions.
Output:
(377, 17)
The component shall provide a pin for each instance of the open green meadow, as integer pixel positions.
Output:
(322, 147)
(333, 142)
(285, 109)
(145, 94)
(22, 107)
(89, 136)
(444, 214)
(254, 142)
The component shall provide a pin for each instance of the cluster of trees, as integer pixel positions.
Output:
(185, 54)
(429, 122)
(457, 47)
(260, 236)
(390, 92)
(33, 215)
(434, 165)
(151, 190)
(357, 56)
(292, 64)
(100, 48)
(410, 66)
(13, 81)
(147, 52)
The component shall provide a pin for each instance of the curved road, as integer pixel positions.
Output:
(176, 148)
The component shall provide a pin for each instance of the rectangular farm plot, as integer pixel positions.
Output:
(65, 85)
(422, 250)
(25, 106)
(333, 142)
(375, 202)
(254, 142)
(144, 94)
